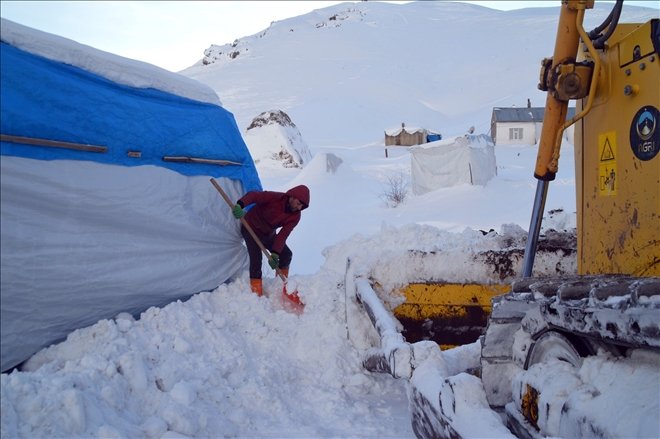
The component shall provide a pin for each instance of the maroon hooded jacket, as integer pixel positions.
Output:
(269, 213)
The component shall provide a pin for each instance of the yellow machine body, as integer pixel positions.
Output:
(617, 160)
(449, 314)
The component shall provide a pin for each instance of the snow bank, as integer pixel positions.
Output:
(415, 253)
(225, 363)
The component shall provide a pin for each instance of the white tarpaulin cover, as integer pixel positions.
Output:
(449, 162)
(128, 239)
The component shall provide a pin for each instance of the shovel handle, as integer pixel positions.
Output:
(249, 229)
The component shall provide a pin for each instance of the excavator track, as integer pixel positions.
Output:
(568, 319)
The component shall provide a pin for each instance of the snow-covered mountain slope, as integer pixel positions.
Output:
(346, 73)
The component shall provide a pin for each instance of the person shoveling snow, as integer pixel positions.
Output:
(271, 211)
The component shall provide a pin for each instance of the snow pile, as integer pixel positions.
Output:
(229, 363)
(125, 71)
(223, 364)
(559, 220)
(417, 253)
(274, 141)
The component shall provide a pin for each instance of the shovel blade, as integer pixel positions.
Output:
(290, 290)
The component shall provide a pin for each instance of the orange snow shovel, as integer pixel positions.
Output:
(293, 296)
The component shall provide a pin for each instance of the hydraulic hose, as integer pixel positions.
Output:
(595, 33)
(612, 21)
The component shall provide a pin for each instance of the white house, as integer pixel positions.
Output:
(513, 125)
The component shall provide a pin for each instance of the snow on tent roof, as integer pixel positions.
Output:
(115, 68)
(473, 141)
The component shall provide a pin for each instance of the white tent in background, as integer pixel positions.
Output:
(449, 162)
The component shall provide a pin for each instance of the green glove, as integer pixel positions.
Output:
(274, 260)
(238, 211)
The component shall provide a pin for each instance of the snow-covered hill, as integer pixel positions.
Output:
(346, 73)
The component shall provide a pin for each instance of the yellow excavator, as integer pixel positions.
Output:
(534, 323)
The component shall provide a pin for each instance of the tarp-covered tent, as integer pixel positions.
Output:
(456, 160)
(122, 217)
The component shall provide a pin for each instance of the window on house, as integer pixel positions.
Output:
(515, 133)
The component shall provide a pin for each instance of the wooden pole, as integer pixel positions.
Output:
(249, 229)
(199, 160)
(53, 143)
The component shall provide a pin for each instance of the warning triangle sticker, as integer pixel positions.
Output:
(608, 153)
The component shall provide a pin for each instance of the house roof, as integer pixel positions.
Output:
(392, 132)
(395, 131)
(523, 114)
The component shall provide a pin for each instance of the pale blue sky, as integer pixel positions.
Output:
(172, 34)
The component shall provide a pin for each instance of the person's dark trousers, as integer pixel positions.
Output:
(254, 252)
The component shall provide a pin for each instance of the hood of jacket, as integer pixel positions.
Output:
(301, 193)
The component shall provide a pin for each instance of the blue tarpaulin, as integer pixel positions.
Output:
(48, 100)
